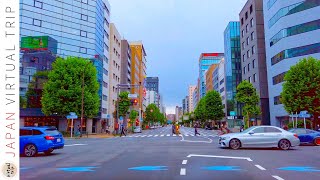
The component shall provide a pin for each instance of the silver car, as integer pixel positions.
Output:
(137, 129)
(260, 136)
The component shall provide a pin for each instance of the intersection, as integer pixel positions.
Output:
(149, 155)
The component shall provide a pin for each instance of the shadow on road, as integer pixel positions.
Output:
(261, 149)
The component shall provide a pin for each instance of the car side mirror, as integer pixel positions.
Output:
(251, 132)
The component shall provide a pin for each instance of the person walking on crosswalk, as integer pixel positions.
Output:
(196, 129)
(122, 130)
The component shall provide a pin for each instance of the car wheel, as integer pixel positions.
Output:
(30, 150)
(284, 144)
(317, 141)
(234, 144)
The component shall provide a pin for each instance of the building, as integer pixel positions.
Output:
(205, 61)
(190, 100)
(125, 76)
(178, 114)
(138, 74)
(152, 84)
(254, 68)
(152, 98)
(114, 72)
(171, 117)
(232, 66)
(81, 29)
(291, 33)
(195, 98)
(185, 105)
(209, 77)
(219, 84)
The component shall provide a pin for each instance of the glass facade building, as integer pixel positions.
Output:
(205, 61)
(233, 72)
(80, 27)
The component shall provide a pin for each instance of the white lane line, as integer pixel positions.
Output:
(75, 144)
(168, 134)
(184, 161)
(260, 167)
(156, 135)
(186, 135)
(174, 135)
(277, 177)
(150, 135)
(225, 157)
(144, 136)
(180, 134)
(191, 135)
(183, 171)
(162, 135)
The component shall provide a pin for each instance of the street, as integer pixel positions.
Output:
(157, 154)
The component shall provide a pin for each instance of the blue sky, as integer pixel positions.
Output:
(175, 33)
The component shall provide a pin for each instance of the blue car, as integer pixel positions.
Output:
(34, 140)
(307, 136)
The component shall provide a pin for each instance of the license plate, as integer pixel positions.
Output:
(58, 140)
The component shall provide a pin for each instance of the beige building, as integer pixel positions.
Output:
(114, 72)
(191, 91)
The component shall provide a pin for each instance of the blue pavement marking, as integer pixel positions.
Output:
(78, 169)
(222, 168)
(149, 168)
(300, 169)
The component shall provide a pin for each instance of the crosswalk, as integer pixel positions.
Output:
(169, 135)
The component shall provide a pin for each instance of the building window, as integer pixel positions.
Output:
(222, 81)
(83, 33)
(252, 36)
(254, 78)
(105, 98)
(38, 4)
(271, 3)
(247, 28)
(106, 47)
(242, 33)
(248, 54)
(246, 15)
(106, 21)
(244, 70)
(253, 64)
(296, 52)
(105, 72)
(249, 79)
(278, 78)
(84, 17)
(243, 57)
(251, 9)
(221, 90)
(248, 67)
(37, 22)
(251, 22)
(105, 84)
(242, 45)
(277, 100)
(84, 1)
(104, 111)
(242, 22)
(248, 40)
(253, 49)
(83, 50)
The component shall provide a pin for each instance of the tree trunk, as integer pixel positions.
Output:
(248, 120)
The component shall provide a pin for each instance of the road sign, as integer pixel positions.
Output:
(132, 96)
(304, 114)
(293, 115)
(233, 113)
(72, 115)
(108, 116)
(121, 118)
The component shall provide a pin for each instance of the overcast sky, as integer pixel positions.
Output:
(174, 34)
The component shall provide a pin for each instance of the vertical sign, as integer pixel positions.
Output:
(9, 89)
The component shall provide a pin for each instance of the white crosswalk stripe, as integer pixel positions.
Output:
(156, 135)
(168, 134)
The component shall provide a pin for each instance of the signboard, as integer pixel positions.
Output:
(233, 113)
(72, 115)
(293, 115)
(230, 117)
(34, 43)
(132, 96)
(304, 114)
(121, 118)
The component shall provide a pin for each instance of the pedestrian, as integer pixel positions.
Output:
(173, 129)
(122, 130)
(318, 128)
(79, 131)
(196, 130)
(242, 128)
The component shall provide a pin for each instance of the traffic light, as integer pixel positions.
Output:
(135, 101)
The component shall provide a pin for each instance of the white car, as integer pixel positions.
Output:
(260, 136)
(137, 129)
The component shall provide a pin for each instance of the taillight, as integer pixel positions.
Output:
(49, 138)
(295, 135)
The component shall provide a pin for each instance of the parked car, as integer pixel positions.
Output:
(260, 136)
(34, 140)
(307, 136)
(137, 129)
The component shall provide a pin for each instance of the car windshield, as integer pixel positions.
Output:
(248, 130)
(52, 132)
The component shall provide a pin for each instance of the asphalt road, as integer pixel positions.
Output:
(157, 154)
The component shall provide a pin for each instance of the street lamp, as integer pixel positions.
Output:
(82, 96)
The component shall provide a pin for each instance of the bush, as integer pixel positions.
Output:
(301, 124)
(65, 134)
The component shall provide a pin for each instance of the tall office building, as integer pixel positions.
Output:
(254, 68)
(219, 84)
(205, 61)
(152, 97)
(125, 77)
(152, 84)
(190, 100)
(185, 105)
(232, 65)
(195, 98)
(81, 29)
(292, 31)
(209, 77)
(114, 72)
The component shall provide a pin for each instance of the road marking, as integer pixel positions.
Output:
(156, 135)
(76, 145)
(144, 136)
(180, 134)
(300, 169)
(184, 161)
(225, 157)
(191, 135)
(260, 167)
(277, 177)
(174, 135)
(186, 135)
(222, 168)
(149, 168)
(150, 135)
(168, 134)
(183, 172)
(162, 135)
(78, 169)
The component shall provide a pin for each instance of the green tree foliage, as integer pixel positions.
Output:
(200, 111)
(153, 114)
(63, 91)
(35, 89)
(300, 124)
(124, 105)
(247, 95)
(23, 102)
(301, 88)
(133, 116)
(213, 106)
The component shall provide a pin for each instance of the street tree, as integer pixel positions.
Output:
(63, 91)
(133, 116)
(213, 106)
(200, 111)
(247, 95)
(124, 105)
(152, 113)
(301, 88)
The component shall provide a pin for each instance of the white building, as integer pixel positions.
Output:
(222, 84)
(292, 29)
(152, 97)
(114, 70)
(190, 99)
